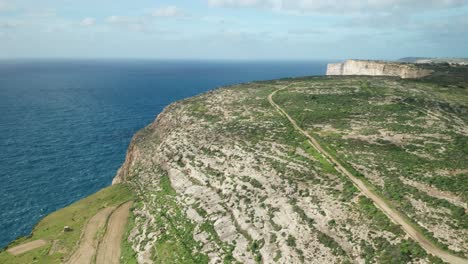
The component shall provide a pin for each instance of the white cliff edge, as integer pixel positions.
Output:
(377, 68)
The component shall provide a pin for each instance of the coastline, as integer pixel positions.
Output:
(141, 151)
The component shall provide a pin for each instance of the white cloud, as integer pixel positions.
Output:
(168, 11)
(219, 20)
(88, 22)
(130, 23)
(41, 13)
(307, 31)
(118, 19)
(342, 6)
(9, 24)
(6, 6)
(245, 3)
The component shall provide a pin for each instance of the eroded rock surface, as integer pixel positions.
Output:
(222, 177)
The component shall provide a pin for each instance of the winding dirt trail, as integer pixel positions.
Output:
(109, 248)
(88, 243)
(395, 216)
(23, 248)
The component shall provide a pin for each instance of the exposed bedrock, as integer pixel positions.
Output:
(377, 68)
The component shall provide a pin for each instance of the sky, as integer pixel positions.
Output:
(233, 29)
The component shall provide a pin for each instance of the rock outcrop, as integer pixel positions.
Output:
(377, 68)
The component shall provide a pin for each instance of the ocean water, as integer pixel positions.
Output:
(65, 125)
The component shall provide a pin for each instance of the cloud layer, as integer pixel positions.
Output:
(342, 6)
(88, 22)
(6, 6)
(235, 28)
(168, 11)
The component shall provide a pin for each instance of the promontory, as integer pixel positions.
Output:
(330, 169)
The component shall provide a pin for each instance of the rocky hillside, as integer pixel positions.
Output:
(225, 177)
(377, 68)
(453, 61)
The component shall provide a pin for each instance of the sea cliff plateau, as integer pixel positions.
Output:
(377, 68)
(348, 169)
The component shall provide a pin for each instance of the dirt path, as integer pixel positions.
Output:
(109, 248)
(378, 201)
(88, 243)
(27, 247)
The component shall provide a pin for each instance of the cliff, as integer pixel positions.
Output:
(235, 176)
(223, 177)
(377, 68)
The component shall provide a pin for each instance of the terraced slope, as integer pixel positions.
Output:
(224, 177)
(88, 244)
(48, 242)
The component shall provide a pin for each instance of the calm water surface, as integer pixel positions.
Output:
(65, 125)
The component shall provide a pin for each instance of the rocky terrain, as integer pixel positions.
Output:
(377, 68)
(225, 178)
(337, 169)
(453, 61)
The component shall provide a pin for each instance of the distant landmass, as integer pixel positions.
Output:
(377, 68)
(462, 61)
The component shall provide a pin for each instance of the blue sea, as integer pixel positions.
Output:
(65, 124)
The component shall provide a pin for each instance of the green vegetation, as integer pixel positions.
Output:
(392, 134)
(404, 252)
(327, 167)
(323, 238)
(128, 255)
(175, 244)
(379, 218)
(329, 242)
(198, 109)
(60, 244)
(255, 247)
(386, 131)
(254, 182)
(291, 241)
(395, 135)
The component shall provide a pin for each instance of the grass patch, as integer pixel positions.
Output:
(51, 227)
(175, 244)
(378, 218)
(128, 255)
(326, 166)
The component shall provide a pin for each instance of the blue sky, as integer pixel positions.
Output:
(233, 29)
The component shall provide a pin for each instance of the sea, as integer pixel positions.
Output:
(65, 124)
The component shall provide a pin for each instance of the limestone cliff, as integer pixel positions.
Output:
(377, 68)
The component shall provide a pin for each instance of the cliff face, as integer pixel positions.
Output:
(376, 68)
(137, 153)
